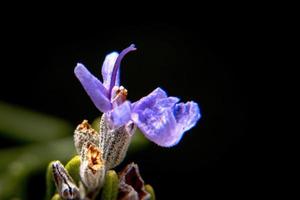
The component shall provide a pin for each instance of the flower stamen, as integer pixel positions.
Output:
(119, 95)
(117, 66)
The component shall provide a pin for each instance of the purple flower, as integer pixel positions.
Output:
(160, 118)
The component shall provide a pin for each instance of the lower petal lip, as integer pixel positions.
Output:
(157, 117)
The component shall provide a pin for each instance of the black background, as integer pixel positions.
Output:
(206, 59)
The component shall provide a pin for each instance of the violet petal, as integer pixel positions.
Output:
(150, 100)
(93, 87)
(165, 103)
(121, 114)
(187, 115)
(157, 127)
(162, 120)
(107, 69)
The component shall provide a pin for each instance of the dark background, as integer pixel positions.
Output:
(207, 60)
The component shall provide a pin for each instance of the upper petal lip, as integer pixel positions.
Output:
(94, 88)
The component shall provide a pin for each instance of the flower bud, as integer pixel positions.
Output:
(131, 184)
(85, 133)
(64, 182)
(114, 141)
(92, 168)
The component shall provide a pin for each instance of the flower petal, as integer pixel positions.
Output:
(107, 70)
(166, 103)
(157, 127)
(120, 115)
(153, 115)
(187, 115)
(150, 100)
(93, 87)
(162, 120)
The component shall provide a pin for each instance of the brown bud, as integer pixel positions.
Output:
(85, 133)
(131, 185)
(92, 168)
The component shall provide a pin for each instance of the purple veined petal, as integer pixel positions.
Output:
(149, 100)
(165, 103)
(160, 128)
(107, 69)
(162, 120)
(121, 114)
(187, 115)
(93, 88)
(117, 66)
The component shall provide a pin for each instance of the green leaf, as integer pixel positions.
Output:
(150, 189)
(50, 185)
(111, 186)
(26, 125)
(72, 168)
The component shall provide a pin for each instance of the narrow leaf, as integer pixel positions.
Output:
(111, 185)
(73, 168)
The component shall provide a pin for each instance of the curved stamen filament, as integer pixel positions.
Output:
(116, 67)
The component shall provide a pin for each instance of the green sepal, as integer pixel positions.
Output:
(111, 186)
(150, 189)
(56, 197)
(72, 168)
(50, 185)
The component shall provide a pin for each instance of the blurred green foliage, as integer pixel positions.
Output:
(26, 125)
